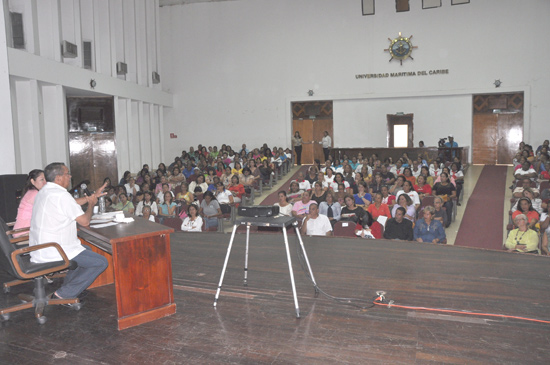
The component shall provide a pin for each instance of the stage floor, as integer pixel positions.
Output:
(257, 324)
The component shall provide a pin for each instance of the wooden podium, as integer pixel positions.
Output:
(140, 265)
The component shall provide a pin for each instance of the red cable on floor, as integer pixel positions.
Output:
(378, 301)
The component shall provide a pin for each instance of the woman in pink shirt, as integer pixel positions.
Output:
(35, 182)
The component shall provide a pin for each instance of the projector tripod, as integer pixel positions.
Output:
(280, 222)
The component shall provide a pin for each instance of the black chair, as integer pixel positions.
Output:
(16, 262)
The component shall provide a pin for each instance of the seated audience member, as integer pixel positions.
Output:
(237, 169)
(545, 231)
(339, 179)
(362, 198)
(316, 224)
(194, 176)
(167, 209)
(425, 171)
(312, 174)
(302, 182)
(448, 172)
(330, 208)
(398, 228)
(125, 178)
(407, 172)
(295, 193)
(247, 179)
(177, 177)
(398, 186)
(447, 192)
(318, 194)
(147, 202)
(526, 170)
(351, 212)
(188, 170)
(525, 183)
(138, 199)
(226, 177)
(428, 229)
(35, 181)
(185, 195)
(378, 208)
(224, 197)
(236, 188)
(301, 207)
(376, 186)
(408, 189)
(209, 177)
(146, 213)
(421, 187)
(193, 221)
(370, 228)
(439, 213)
(536, 202)
(387, 177)
(124, 204)
(163, 180)
(210, 210)
(387, 198)
(199, 185)
(265, 171)
(524, 206)
(285, 208)
(131, 187)
(522, 239)
(406, 203)
(160, 196)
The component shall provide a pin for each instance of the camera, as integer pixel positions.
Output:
(441, 142)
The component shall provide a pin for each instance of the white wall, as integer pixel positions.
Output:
(235, 66)
(35, 81)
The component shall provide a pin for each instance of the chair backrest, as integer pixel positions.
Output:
(344, 229)
(428, 200)
(174, 223)
(6, 248)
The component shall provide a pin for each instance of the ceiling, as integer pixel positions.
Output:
(180, 2)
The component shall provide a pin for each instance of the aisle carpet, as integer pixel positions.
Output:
(481, 225)
(273, 197)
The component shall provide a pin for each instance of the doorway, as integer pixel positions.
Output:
(311, 120)
(92, 148)
(400, 130)
(497, 127)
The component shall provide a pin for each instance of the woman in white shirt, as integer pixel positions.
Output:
(147, 201)
(224, 198)
(285, 208)
(193, 222)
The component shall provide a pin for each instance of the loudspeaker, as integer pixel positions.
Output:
(11, 187)
(259, 211)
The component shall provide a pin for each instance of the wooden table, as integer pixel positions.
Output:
(140, 265)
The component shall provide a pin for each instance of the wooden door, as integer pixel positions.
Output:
(497, 127)
(485, 140)
(496, 137)
(510, 134)
(93, 158)
(312, 131)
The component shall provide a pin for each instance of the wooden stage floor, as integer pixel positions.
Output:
(257, 325)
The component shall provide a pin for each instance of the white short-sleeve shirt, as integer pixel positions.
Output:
(54, 220)
(318, 226)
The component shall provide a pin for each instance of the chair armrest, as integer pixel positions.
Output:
(28, 249)
(19, 230)
(18, 240)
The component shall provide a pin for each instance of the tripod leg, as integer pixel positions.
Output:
(225, 264)
(246, 256)
(291, 274)
(307, 260)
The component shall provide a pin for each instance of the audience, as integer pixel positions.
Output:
(428, 229)
(193, 221)
(398, 228)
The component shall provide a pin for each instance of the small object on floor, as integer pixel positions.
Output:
(458, 204)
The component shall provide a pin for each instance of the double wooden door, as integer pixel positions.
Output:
(496, 137)
(312, 132)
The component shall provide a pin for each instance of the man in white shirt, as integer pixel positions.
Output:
(54, 218)
(316, 224)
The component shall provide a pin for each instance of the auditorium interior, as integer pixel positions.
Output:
(108, 86)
